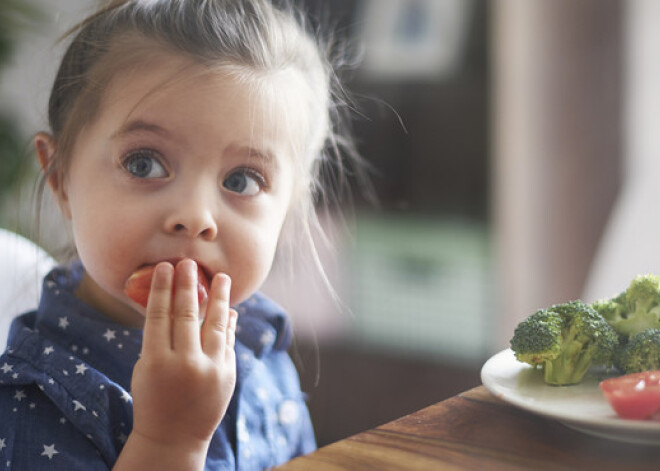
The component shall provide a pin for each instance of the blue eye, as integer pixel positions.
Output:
(142, 164)
(244, 182)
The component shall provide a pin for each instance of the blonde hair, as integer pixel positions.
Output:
(252, 39)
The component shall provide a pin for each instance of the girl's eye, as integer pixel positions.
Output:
(244, 182)
(143, 164)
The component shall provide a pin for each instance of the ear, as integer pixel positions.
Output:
(44, 145)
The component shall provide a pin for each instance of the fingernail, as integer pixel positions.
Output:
(189, 266)
(223, 280)
(163, 268)
(233, 318)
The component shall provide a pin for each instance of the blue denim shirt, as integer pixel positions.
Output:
(65, 401)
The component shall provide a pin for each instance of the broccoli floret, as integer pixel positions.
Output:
(612, 309)
(641, 353)
(537, 339)
(635, 310)
(565, 340)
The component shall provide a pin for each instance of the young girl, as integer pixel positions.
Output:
(186, 136)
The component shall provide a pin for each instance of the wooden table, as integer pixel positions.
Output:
(476, 431)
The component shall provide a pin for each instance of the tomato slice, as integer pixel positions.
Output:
(138, 285)
(634, 396)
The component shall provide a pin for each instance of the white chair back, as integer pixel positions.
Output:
(22, 267)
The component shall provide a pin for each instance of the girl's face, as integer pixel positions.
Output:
(191, 164)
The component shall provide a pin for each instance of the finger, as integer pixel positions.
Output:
(214, 330)
(231, 332)
(157, 325)
(185, 335)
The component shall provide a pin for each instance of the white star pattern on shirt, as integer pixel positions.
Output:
(6, 368)
(20, 395)
(77, 405)
(2, 443)
(63, 323)
(262, 394)
(49, 451)
(288, 412)
(126, 397)
(80, 369)
(267, 338)
(48, 350)
(110, 334)
(242, 432)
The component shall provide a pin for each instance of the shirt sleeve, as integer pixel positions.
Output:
(34, 435)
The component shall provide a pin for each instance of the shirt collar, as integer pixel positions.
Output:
(263, 328)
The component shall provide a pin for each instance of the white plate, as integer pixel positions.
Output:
(582, 406)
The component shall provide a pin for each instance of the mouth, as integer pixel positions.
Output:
(138, 285)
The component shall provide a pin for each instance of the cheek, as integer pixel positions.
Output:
(92, 221)
(103, 253)
(251, 258)
(107, 239)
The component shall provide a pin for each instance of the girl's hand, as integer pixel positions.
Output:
(183, 381)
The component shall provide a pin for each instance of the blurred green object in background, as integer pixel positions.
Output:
(12, 156)
(15, 17)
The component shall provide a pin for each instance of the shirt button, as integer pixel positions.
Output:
(288, 412)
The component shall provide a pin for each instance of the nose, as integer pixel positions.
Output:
(191, 217)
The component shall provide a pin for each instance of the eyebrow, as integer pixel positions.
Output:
(253, 152)
(139, 126)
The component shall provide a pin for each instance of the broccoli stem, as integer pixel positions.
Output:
(570, 366)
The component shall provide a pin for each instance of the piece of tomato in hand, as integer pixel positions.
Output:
(634, 396)
(138, 285)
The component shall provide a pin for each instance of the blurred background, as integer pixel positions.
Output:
(514, 156)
